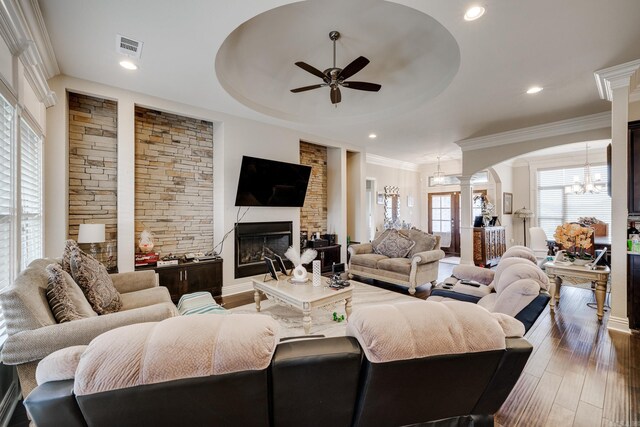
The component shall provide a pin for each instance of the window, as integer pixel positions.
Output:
(6, 191)
(30, 194)
(555, 207)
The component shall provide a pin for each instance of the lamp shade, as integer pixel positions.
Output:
(524, 213)
(91, 233)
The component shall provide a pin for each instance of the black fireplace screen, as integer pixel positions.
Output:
(255, 240)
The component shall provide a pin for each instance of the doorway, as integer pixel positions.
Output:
(444, 218)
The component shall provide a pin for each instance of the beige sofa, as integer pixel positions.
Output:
(32, 329)
(418, 267)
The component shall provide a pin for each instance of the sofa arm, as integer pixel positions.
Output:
(134, 281)
(427, 257)
(362, 248)
(35, 344)
(471, 272)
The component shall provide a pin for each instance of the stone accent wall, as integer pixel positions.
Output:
(93, 167)
(313, 215)
(174, 181)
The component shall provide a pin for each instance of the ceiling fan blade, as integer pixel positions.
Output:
(302, 89)
(371, 87)
(356, 65)
(308, 68)
(336, 96)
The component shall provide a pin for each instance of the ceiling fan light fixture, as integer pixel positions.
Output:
(474, 13)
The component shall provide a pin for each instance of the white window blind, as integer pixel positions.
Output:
(555, 207)
(30, 194)
(6, 191)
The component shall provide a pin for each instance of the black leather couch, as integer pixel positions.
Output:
(310, 382)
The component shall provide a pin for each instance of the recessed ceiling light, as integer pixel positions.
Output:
(474, 13)
(128, 65)
(372, 136)
(534, 89)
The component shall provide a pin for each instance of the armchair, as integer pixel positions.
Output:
(33, 332)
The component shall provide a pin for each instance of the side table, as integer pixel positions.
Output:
(577, 274)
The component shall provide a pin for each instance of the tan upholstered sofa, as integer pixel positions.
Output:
(418, 267)
(32, 329)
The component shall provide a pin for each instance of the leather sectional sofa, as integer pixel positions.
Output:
(339, 381)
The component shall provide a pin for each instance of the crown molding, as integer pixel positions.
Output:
(23, 29)
(616, 77)
(548, 130)
(374, 159)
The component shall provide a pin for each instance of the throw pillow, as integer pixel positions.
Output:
(380, 237)
(66, 254)
(395, 245)
(93, 279)
(65, 297)
(424, 241)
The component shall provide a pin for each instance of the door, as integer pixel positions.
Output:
(444, 220)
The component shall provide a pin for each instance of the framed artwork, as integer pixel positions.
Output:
(281, 265)
(410, 201)
(507, 203)
(271, 268)
(380, 199)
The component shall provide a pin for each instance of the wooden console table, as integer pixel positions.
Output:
(577, 274)
(489, 243)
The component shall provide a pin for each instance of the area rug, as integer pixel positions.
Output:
(322, 322)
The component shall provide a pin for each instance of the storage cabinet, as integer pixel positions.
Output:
(327, 255)
(190, 277)
(634, 168)
(489, 243)
(633, 291)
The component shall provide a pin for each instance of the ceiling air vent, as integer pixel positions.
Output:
(128, 46)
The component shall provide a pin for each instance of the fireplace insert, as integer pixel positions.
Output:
(254, 240)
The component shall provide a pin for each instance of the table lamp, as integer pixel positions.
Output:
(91, 233)
(524, 213)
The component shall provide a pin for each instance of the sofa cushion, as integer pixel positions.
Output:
(367, 260)
(65, 297)
(398, 265)
(66, 254)
(380, 237)
(93, 279)
(144, 298)
(60, 365)
(424, 328)
(394, 245)
(176, 348)
(424, 241)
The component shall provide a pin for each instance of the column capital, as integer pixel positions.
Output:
(616, 77)
(464, 179)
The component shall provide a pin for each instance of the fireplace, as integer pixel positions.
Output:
(254, 240)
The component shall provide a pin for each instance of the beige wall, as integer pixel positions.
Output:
(409, 184)
(634, 111)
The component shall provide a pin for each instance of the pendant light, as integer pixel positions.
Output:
(438, 176)
(589, 185)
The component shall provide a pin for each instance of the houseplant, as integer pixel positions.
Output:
(575, 240)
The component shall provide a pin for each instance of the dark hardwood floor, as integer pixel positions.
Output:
(580, 373)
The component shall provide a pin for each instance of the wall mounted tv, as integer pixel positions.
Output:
(270, 183)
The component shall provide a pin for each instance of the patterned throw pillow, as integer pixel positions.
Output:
(65, 297)
(93, 279)
(394, 245)
(66, 254)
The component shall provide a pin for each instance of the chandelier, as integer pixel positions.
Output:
(588, 185)
(438, 176)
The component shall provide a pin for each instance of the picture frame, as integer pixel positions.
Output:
(380, 198)
(281, 265)
(507, 203)
(271, 268)
(410, 201)
(478, 221)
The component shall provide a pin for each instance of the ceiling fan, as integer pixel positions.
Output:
(335, 77)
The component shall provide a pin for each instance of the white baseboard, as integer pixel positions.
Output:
(620, 324)
(236, 288)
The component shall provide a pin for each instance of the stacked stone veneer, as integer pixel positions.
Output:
(93, 167)
(174, 181)
(313, 215)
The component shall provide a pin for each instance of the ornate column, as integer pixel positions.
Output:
(466, 220)
(614, 84)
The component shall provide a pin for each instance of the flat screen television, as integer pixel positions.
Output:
(270, 183)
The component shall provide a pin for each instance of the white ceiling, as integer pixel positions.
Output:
(555, 44)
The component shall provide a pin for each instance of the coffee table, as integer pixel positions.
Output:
(303, 297)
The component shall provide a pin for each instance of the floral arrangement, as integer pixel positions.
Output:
(575, 239)
(589, 220)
